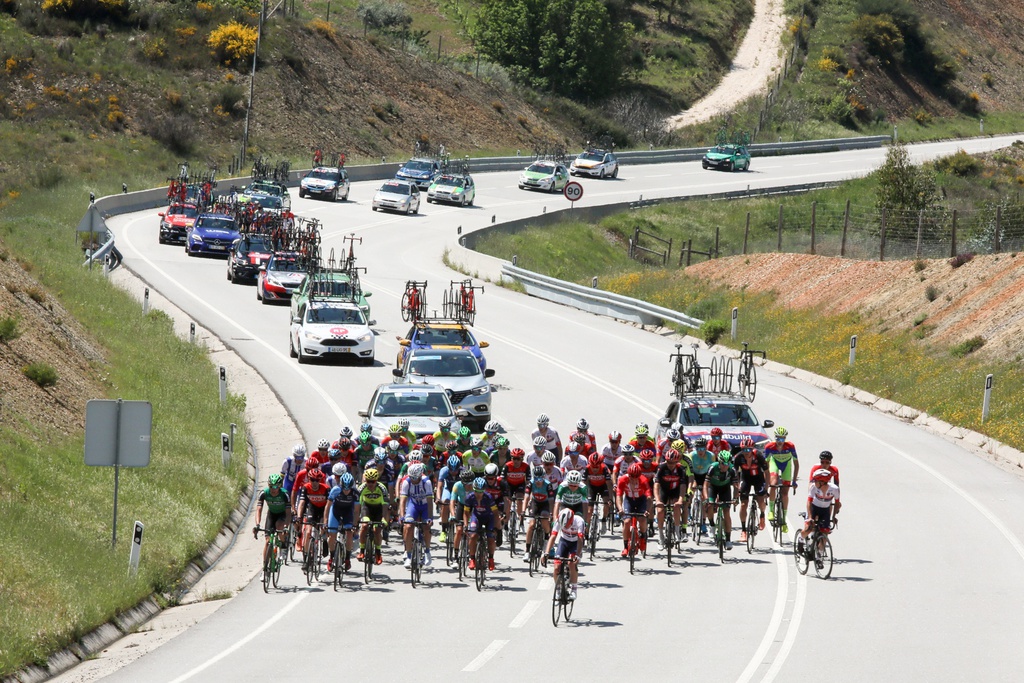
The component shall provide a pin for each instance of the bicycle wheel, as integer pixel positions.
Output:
(568, 604)
(823, 557)
(278, 561)
(634, 542)
(292, 541)
(752, 518)
(307, 562)
(481, 563)
(338, 560)
(449, 545)
(407, 308)
(800, 555)
(267, 573)
(556, 598)
(777, 518)
(464, 556)
(446, 305)
(367, 565)
(751, 382)
(593, 534)
(414, 566)
(535, 551)
(720, 534)
(513, 531)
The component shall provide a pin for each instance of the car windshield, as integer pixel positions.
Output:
(325, 175)
(451, 180)
(258, 244)
(547, 169)
(441, 336)
(432, 365)
(266, 188)
(288, 264)
(395, 188)
(267, 201)
(729, 415)
(186, 211)
(419, 166)
(216, 223)
(725, 150)
(331, 288)
(591, 156)
(331, 315)
(412, 402)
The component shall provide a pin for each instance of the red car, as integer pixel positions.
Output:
(176, 221)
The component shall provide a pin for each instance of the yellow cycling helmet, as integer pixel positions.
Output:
(371, 475)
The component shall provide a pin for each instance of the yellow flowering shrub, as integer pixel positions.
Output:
(233, 42)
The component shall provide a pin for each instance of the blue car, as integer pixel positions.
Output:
(440, 335)
(421, 172)
(212, 233)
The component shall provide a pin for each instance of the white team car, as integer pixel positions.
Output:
(331, 329)
(397, 195)
(596, 163)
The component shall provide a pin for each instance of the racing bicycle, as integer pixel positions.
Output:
(817, 549)
(747, 375)
(414, 301)
(480, 575)
(419, 550)
(341, 555)
(560, 602)
(696, 518)
(753, 521)
(593, 532)
(311, 555)
(536, 549)
(720, 533)
(462, 557)
(632, 525)
(778, 512)
(370, 549)
(273, 560)
(460, 303)
(512, 526)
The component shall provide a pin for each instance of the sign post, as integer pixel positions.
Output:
(853, 348)
(573, 191)
(118, 434)
(735, 316)
(988, 397)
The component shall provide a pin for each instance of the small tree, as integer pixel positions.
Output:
(903, 188)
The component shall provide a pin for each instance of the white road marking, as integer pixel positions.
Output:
(546, 584)
(782, 593)
(524, 614)
(794, 627)
(331, 403)
(486, 655)
(230, 650)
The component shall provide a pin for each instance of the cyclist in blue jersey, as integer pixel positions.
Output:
(481, 516)
(446, 479)
(416, 501)
(458, 501)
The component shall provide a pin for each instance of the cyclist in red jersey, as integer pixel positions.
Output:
(716, 444)
(312, 463)
(649, 468)
(588, 440)
(598, 479)
(632, 496)
(623, 462)
(825, 463)
(313, 503)
(642, 438)
(516, 473)
(753, 469)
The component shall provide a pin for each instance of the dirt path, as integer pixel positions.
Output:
(757, 60)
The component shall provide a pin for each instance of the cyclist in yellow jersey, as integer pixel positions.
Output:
(782, 464)
(373, 499)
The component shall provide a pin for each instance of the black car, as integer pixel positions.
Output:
(248, 253)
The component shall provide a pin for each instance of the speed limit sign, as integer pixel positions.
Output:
(573, 191)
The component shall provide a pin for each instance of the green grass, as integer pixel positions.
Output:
(65, 581)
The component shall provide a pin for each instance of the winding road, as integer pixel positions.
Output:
(930, 552)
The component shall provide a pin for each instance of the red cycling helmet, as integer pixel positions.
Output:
(647, 454)
(595, 460)
(716, 432)
(747, 443)
(634, 470)
(429, 438)
(672, 455)
(312, 463)
(316, 475)
(822, 475)
(579, 437)
(517, 453)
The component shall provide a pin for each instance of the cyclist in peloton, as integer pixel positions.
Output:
(312, 464)
(612, 450)
(642, 438)
(823, 504)
(672, 434)
(572, 494)
(444, 433)
(574, 458)
(598, 478)
(751, 466)
(535, 458)
(589, 441)
(499, 454)
(782, 464)
(446, 479)
(475, 458)
(632, 495)
(458, 501)
(551, 440)
(670, 480)
(624, 461)
(498, 491)
(717, 444)
(491, 433)
(701, 460)
(373, 500)
(719, 486)
(481, 516)
(541, 493)
(825, 463)
(516, 473)
(569, 532)
(416, 502)
(395, 435)
(313, 503)
(292, 465)
(344, 510)
(551, 471)
(278, 510)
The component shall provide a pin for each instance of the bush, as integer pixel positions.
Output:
(920, 319)
(176, 133)
(965, 347)
(155, 49)
(9, 330)
(322, 28)
(961, 164)
(961, 259)
(931, 293)
(380, 15)
(233, 43)
(231, 98)
(712, 330)
(919, 265)
(880, 35)
(42, 374)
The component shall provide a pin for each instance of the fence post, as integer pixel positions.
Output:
(717, 232)
(999, 222)
(689, 251)
(846, 226)
(746, 234)
(920, 226)
(952, 250)
(668, 253)
(779, 246)
(881, 249)
(814, 218)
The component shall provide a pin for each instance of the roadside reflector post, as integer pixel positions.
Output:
(735, 316)
(223, 385)
(593, 283)
(191, 333)
(853, 349)
(225, 449)
(145, 302)
(988, 397)
(136, 549)
(234, 428)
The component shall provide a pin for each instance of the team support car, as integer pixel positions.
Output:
(280, 277)
(544, 175)
(458, 371)
(175, 222)
(452, 189)
(266, 187)
(248, 253)
(331, 329)
(212, 233)
(325, 182)
(699, 414)
(397, 195)
(424, 405)
(727, 158)
(330, 285)
(440, 335)
(595, 163)
(420, 172)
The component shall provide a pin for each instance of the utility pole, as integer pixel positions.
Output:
(252, 83)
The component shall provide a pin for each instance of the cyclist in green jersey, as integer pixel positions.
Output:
(278, 510)
(444, 434)
(474, 458)
(373, 500)
(720, 486)
(458, 500)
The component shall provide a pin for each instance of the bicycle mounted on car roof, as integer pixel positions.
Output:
(323, 284)
(460, 304)
(690, 378)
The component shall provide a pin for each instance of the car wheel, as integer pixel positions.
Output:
(730, 167)
(367, 361)
(302, 195)
(189, 252)
(374, 208)
(259, 293)
(291, 347)
(602, 174)
(704, 164)
(230, 279)
(345, 198)
(298, 354)
(615, 173)
(464, 201)
(334, 195)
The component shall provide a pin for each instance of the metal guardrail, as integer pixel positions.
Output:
(596, 301)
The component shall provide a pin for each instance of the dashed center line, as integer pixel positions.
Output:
(524, 614)
(486, 655)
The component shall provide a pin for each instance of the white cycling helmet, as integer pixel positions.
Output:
(416, 471)
(565, 517)
(491, 470)
(299, 450)
(492, 426)
(547, 457)
(582, 425)
(540, 442)
(346, 432)
(543, 420)
(416, 456)
(574, 477)
(403, 423)
(339, 469)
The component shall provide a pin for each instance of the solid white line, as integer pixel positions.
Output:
(485, 656)
(794, 627)
(331, 403)
(524, 614)
(263, 627)
(781, 595)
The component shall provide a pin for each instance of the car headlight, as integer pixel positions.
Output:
(365, 338)
(312, 336)
(480, 391)
(274, 281)
(196, 237)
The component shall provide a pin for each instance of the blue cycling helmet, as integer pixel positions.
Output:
(347, 480)
(454, 461)
(380, 457)
(479, 483)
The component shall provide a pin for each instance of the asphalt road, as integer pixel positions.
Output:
(929, 552)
